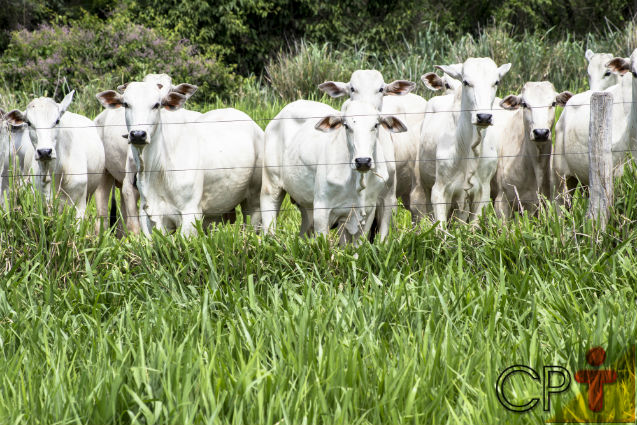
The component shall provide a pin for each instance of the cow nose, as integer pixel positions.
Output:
(363, 164)
(137, 136)
(44, 154)
(484, 119)
(541, 134)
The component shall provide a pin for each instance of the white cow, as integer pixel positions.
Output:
(188, 170)
(333, 168)
(569, 159)
(69, 153)
(599, 76)
(454, 165)
(18, 153)
(525, 147)
(369, 86)
(111, 125)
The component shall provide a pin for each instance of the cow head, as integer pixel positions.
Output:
(599, 76)
(538, 99)
(42, 117)
(480, 78)
(621, 66)
(367, 86)
(361, 122)
(142, 102)
(445, 83)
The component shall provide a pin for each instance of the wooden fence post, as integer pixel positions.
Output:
(600, 158)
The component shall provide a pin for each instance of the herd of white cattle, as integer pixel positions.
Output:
(449, 156)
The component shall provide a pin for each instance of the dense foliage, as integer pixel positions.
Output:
(57, 57)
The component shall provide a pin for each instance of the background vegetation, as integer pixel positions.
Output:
(233, 327)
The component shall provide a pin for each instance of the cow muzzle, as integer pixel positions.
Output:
(541, 135)
(363, 164)
(44, 154)
(138, 137)
(484, 120)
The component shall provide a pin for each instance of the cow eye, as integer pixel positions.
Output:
(466, 83)
(447, 86)
(125, 105)
(156, 105)
(554, 104)
(375, 126)
(346, 126)
(380, 90)
(57, 121)
(524, 105)
(497, 82)
(607, 74)
(635, 74)
(353, 90)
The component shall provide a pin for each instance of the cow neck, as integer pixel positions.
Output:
(469, 135)
(632, 118)
(539, 154)
(155, 158)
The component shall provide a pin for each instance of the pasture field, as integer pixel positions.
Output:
(234, 327)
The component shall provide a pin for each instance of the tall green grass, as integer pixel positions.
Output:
(234, 327)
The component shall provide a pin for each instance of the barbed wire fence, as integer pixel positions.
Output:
(600, 155)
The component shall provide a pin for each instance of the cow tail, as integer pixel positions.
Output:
(113, 215)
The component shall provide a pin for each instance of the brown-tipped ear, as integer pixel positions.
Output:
(619, 65)
(110, 99)
(393, 124)
(122, 87)
(329, 123)
(186, 89)
(173, 101)
(16, 118)
(399, 87)
(563, 97)
(511, 102)
(334, 88)
(433, 82)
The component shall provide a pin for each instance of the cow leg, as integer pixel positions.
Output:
(502, 207)
(481, 200)
(271, 199)
(384, 211)
(307, 222)
(188, 219)
(321, 218)
(441, 202)
(102, 194)
(419, 199)
(130, 196)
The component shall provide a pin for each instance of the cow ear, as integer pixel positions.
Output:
(110, 99)
(511, 102)
(393, 124)
(399, 87)
(122, 87)
(433, 82)
(16, 118)
(186, 89)
(66, 102)
(589, 54)
(563, 97)
(329, 123)
(503, 69)
(454, 71)
(334, 88)
(173, 101)
(619, 65)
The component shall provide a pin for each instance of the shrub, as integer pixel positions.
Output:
(112, 52)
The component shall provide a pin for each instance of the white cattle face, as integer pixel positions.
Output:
(142, 102)
(42, 117)
(480, 78)
(599, 76)
(361, 121)
(538, 99)
(367, 86)
(445, 83)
